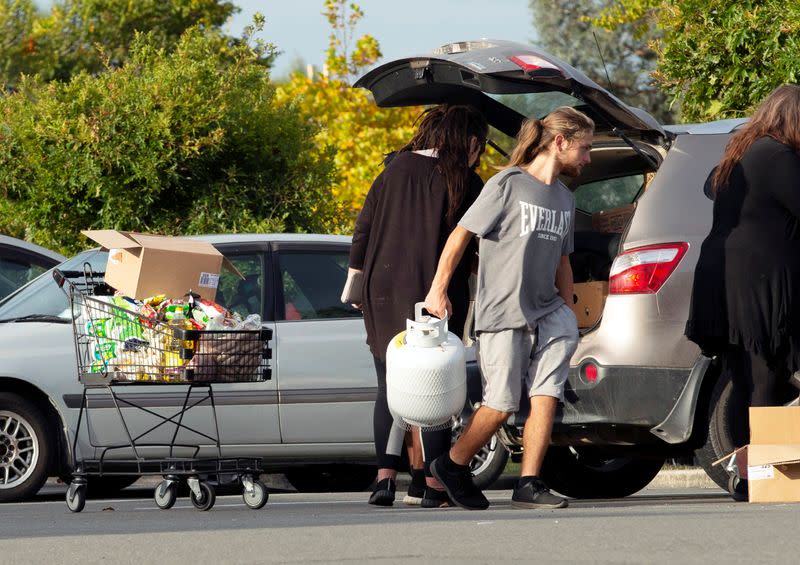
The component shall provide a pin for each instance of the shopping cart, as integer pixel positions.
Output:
(117, 346)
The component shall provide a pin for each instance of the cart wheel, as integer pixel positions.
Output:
(166, 494)
(206, 501)
(258, 498)
(76, 497)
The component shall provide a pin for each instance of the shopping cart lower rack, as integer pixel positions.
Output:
(118, 346)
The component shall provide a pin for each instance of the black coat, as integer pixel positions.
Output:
(747, 281)
(398, 238)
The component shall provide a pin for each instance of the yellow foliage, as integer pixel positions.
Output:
(351, 125)
(358, 132)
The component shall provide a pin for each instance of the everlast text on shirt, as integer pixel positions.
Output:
(547, 223)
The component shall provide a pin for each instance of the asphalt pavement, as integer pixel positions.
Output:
(699, 525)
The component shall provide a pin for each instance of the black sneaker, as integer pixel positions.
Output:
(533, 493)
(383, 495)
(459, 486)
(435, 499)
(416, 489)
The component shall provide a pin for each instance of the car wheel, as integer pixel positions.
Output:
(331, 478)
(581, 472)
(488, 464)
(719, 434)
(24, 447)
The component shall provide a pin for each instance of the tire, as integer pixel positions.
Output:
(489, 463)
(25, 447)
(165, 495)
(76, 500)
(258, 498)
(331, 478)
(581, 472)
(719, 439)
(206, 500)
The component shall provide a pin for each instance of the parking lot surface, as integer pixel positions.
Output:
(655, 526)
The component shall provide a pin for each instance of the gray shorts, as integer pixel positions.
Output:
(540, 358)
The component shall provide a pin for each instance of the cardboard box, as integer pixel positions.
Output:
(141, 265)
(771, 461)
(588, 301)
(613, 220)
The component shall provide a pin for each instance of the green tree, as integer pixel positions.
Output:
(83, 35)
(717, 58)
(183, 141)
(16, 31)
(566, 29)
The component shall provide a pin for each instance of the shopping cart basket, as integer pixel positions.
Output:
(117, 345)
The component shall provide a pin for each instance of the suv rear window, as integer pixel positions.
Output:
(608, 193)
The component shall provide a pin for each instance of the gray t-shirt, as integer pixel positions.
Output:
(524, 227)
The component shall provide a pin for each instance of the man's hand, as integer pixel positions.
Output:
(438, 304)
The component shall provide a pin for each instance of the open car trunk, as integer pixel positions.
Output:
(605, 201)
(511, 81)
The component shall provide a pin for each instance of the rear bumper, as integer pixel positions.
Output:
(629, 405)
(623, 406)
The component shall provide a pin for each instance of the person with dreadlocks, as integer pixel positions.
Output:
(409, 212)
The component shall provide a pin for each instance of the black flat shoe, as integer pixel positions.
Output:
(383, 495)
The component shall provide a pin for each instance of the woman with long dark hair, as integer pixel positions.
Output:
(745, 305)
(409, 212)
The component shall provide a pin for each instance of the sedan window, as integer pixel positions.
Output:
(243, 296)
(312, 283)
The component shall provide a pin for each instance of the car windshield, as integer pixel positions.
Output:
(42, 296)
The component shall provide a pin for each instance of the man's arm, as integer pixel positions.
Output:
(437, 303)
(564, 282)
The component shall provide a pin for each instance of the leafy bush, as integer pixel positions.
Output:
(180, 142)
(717, 58)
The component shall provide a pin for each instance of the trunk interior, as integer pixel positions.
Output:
(605, 201)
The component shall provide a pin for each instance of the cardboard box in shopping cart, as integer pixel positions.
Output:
(142, 265)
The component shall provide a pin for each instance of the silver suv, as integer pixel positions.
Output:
(639, 392)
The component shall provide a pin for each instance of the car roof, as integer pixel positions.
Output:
(707, 128)
(476, 72)
(269, 237)
(9, 241)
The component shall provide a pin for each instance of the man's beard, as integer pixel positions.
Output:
(571, 169)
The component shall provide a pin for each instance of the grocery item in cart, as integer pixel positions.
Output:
(228, 357)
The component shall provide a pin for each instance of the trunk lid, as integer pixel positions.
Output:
(508, 81)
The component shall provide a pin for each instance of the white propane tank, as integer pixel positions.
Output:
(426, 372)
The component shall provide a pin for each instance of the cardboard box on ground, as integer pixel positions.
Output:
(142, 265)
(771, 461)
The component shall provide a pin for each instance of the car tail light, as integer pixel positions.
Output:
(643, 270)
(535, 66)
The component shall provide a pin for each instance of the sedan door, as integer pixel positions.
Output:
(325, 374)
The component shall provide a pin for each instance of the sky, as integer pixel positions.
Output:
(403, 28)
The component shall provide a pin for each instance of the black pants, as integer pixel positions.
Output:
(434, 443)
(757, 381)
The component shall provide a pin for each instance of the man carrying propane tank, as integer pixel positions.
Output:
(524, 220)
